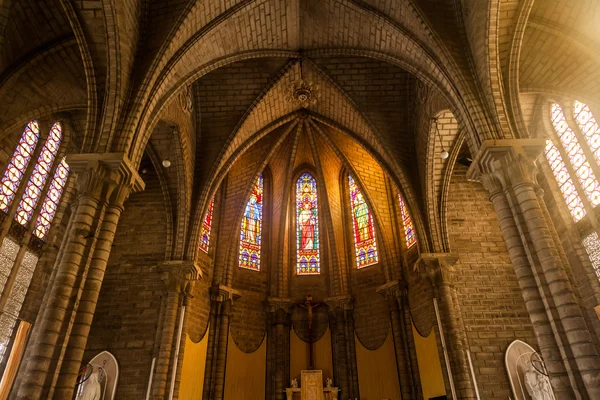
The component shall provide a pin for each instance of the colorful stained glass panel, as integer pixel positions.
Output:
(565, 183)
(307, 226)
(38, 177)
(580, 164)
(18, 164)
(409, 228)
(363, 229)
(592, 247)
(206, 226)
(44, 219)
(251, 228)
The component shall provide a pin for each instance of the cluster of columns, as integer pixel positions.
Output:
(507, 168)
(59, 337)
(222, 297)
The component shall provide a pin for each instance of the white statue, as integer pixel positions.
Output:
(294, 383)
(538, 385)
(92, 389)
(329, 382)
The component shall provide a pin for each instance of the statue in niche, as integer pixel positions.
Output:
(538, 385)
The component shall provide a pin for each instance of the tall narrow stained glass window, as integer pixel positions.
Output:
(409, 228)
(307, 226)
(251, 228)
(363, 228)
(18, 164)
(576, 155)
(50, 205)
(206, 226)
(38, 177)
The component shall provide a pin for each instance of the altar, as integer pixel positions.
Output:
(311, 388)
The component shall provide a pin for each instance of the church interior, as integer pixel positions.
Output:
(300, 199)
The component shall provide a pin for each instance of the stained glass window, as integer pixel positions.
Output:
(589, 127)
(592, 246)
(577, 158)
(251, 229)
(565, 183)
(206, 225)
(307, 226)
(365, 244)
(38, 177)
(50, 205)
(409, 228)
(18, 164)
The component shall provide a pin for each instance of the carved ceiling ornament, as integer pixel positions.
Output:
(303, 93)
(185, 99)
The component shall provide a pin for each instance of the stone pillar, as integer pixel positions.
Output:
(507, 169)
(98, 176)
(222, 298)
(179, 277)
(344, 351)
(395, 293)
(439, 268)
(278, 347)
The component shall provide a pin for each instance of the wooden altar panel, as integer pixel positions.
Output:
(311, 385)
(192, 369)
(377, 371)
(299, 356)
(245, 374)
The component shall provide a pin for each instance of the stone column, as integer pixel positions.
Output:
(222, 298)
(179, 277)
(439, 268)
(278, 346)
(98, 175)
(344, 350)
(507, 168)
(395, 293)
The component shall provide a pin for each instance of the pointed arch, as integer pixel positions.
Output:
(251, 228)
(308, 260)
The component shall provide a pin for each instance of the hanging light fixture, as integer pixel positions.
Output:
(443, 154)
(167, 162)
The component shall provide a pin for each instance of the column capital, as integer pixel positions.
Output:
(109, 175)
(397, 289)
(438, 267)
(274, 304)
(222, 293)
(180, 275)
(343, 302)
(508, 162)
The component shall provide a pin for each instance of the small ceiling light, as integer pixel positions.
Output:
(166, 163)
(443, 154)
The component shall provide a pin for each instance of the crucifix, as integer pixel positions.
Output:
(309, 305)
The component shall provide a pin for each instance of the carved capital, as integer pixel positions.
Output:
(275, 304)
(105, 176)
(395, 289)
(180, 276)
(342, 302)
(438, 267)
(510, 161)
(222, 293)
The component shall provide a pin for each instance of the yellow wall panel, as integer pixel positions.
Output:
(245, 374)
(192, 369)
(377, 371)
(430, 367)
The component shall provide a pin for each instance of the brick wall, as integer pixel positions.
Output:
(127, 313)
(492, 305)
